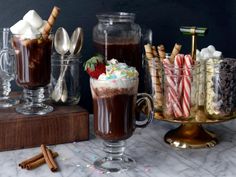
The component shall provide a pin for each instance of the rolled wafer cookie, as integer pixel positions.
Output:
(154, 68)
(175, 52)
(51, 20)
(161, 52)
(148, 51)
(154, 51)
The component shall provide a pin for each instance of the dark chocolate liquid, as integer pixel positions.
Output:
(33, 62)
(114, 117)
(128, 53)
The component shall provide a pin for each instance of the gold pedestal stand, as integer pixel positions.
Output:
(190, 136)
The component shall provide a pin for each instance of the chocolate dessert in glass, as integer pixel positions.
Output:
(114, 90)
(33, 68)
(32, 42)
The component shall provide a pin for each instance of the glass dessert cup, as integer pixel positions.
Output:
(115, 107)
(33, 69)
(7, 70)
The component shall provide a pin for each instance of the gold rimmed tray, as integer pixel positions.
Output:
(191, 134)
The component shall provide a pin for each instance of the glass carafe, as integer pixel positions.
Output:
(117, 36)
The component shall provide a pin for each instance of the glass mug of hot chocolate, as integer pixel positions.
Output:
(115, 109)
(33, 70)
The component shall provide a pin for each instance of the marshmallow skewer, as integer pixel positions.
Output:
(51, 20)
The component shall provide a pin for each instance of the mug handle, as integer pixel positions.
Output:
(144, 101)
(7, 61)
(3, 60)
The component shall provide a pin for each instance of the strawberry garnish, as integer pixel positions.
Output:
(95, 66)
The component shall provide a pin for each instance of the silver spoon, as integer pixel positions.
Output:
(62, 41)
(62, 46)
(77, 40)
(75, 47)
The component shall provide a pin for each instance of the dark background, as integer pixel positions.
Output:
(163, 17)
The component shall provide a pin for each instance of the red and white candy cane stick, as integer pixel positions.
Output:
(171, 89)
(187, 85)
(178, 68)
(169, 109)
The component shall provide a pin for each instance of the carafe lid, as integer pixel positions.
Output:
(116, 17)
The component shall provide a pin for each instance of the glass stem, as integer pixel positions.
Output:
(34, 97)
(5, 88)
(114, 149)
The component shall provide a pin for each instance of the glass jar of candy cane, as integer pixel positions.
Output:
(178, 80)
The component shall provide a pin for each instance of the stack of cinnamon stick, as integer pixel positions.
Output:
(46, 156)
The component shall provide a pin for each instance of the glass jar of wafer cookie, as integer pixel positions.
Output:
(153, 76)
(154, 72)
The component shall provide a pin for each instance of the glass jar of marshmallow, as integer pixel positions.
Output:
(215, 86)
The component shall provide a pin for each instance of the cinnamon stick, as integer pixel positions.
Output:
(51, 20)
(48, 158)
(30, 160)
(38, 162)
(50, 155)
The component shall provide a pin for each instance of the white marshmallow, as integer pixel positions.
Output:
(204, 50)
(211, 48)
(31, 33)
(204, 53)
(20, 27)
(198, 55)
(206, 56)
(42, 27)
(33, 19)
(217, 54)
(197, 52)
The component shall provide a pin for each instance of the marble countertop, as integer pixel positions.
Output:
(153, 156)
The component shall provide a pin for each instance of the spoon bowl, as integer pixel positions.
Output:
(76, 41)
(61, 41)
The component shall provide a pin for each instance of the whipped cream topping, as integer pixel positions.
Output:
(116, 71)
(118, 76)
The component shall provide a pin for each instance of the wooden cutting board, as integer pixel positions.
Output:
(65, 124)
